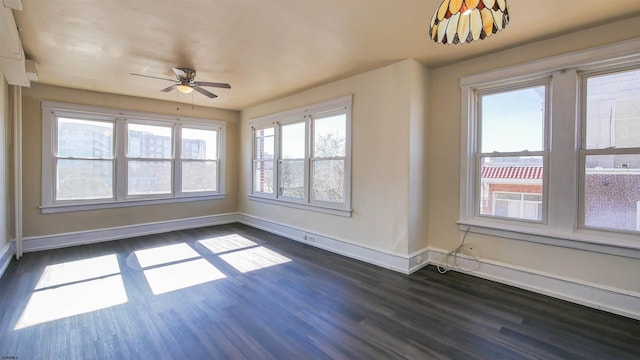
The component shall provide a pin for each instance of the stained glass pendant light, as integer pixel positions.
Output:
(464, 21)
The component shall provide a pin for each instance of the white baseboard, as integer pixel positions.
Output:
(37, 243)
(378, 257)
(617, 301)
(6, 253)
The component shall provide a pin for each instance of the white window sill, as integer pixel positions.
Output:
(303, 206)
(627, 245)
(110, 204)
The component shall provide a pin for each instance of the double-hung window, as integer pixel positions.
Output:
(96, 158)
(149, 159)
(511, 151)
(551, 150)
(610, 152)
(83, 158)
(301, 157)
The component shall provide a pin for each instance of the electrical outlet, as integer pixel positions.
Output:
(305, 237)
(312, 239)
(419, 260)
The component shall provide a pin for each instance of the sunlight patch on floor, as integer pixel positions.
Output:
(74, 299)
(182, 275)
(80, 270)
(226, 243)
(165, 254)
(254, 259)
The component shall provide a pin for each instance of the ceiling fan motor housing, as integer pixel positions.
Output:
(185, 74)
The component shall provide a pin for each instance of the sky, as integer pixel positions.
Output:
(513, 121)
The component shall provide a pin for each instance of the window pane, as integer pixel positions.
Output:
(199, 176)
(613, 110)
(147, 141)
(264, 146)
(84, 179)
(292, 178)
(512, 187)
(293, 140)
(85, 139)
(199, 144)
(264, 149)
(149, 177)
(612, 192)
(328, 180)
(263, 177)
(329, 135)
(513, 121)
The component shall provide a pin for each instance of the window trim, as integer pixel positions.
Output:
(304, 114)
(51, 110)
(561, 230)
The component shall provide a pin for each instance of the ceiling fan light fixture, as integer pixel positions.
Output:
(184, 88)
(465, 21)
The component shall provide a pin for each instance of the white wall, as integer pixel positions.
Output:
(387, 154)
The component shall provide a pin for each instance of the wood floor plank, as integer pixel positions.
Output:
(266, 297)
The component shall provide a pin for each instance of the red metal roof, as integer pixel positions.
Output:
(512, 172)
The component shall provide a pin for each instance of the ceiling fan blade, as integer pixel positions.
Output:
(181, 74)
(212, 84)
(167, 89)
(153, 77)
(204, 92)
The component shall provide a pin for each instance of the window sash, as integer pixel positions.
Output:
(477, 140)
(257, 179)
(615, 224)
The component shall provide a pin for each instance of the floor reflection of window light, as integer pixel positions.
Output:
(74, 299)
(74, 271)
(182, 275)
(253, 259)
(165, 254)
(227, 243)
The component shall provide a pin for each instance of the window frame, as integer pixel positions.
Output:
(584, 151)
(543, 153)
(51, 111)
(254, 159)
(55, 156)
(564, 189)
(342, 105)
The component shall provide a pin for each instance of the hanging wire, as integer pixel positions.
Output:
(451, 260)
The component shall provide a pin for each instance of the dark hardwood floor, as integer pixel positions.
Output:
(234, 292)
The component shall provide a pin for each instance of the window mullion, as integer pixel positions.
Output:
(308, 181)
(121, 160)
(562, 177)
(177, 160)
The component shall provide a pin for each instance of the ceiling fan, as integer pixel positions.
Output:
(185, 82)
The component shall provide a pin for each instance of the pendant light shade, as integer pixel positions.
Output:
(464, 21)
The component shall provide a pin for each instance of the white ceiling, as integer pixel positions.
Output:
(264, 48)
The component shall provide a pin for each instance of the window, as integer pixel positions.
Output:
(263, 160)
(304, 154)
(199, 160)
(149, 159)
(511, 150)
(84, 159)
(517, 205)
(551, 150)
(611, 150)
(100, 158)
